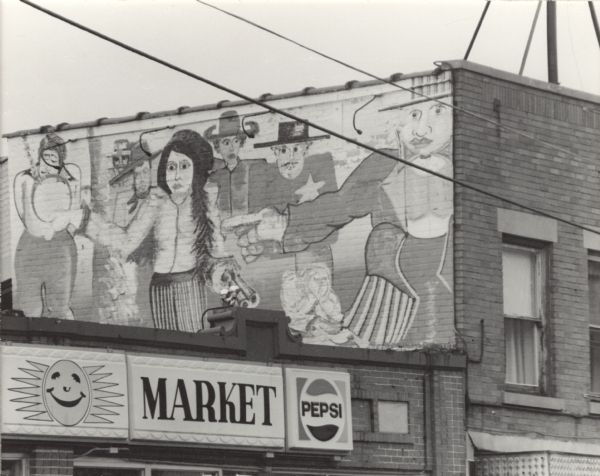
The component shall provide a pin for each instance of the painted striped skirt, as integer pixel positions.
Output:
(177, 301)
(381, 314)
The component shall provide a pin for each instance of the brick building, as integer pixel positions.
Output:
(407, 410)
(525, 281)
(456, 330)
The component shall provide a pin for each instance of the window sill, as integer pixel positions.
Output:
(533, 401)
(377, 437)
(522, 388)
(594, 407)
(593, 403)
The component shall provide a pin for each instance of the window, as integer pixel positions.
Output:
(107, 472)
(14, 465)
(594, 293)
(392, 416)
(113, 467)
(523, 279)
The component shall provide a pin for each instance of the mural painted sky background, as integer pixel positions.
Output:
(53, 73)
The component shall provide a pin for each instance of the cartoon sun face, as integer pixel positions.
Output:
(66, 392)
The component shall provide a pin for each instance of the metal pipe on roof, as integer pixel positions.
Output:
(551, 42)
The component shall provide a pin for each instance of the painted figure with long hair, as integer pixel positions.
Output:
(179, 216)
(46, 256)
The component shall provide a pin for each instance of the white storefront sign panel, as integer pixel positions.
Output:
(211, 402)
(63, 391)
(319, 413)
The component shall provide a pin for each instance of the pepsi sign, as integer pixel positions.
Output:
(319, 412)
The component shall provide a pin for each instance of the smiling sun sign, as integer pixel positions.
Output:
(67, 393)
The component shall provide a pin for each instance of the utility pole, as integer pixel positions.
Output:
(551, 41)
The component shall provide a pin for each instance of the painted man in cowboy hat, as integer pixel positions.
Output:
(132, 179)
(296, 177)
(129, 188)
(231, 174)
(408, 282)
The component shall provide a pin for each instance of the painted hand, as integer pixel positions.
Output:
(48, 232)
(254, 229)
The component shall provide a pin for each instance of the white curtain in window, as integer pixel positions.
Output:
(521, 351)
(518, 273)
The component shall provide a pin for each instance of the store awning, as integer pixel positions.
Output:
(511, 443)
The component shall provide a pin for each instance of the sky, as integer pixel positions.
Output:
(52, 73)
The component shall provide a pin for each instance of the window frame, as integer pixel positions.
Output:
(21, 457)
(405, 404)
(592, 257)
(541, 253)
(144, 468)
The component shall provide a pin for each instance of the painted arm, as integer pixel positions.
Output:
(75, 184)
(23, 193)
(125, 240)
(299, 226)
(312, 222)
(213, 213)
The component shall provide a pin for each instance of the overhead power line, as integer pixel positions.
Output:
(296, 118)
(391, 83)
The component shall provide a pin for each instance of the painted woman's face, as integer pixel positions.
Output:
(180, 173)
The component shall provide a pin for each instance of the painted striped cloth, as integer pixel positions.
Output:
(381, 314)
(177, 301)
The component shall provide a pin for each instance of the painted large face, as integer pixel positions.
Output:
(428, 129)
(142, 178)
(180, 173)
(229, 148)
(290, 158)
(66, 392)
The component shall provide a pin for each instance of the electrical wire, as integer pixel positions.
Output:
(391, 83)
(298, 119)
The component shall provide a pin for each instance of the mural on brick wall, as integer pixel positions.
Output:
(248, 208)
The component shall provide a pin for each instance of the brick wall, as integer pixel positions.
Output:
(546, 177)
(348, 213)
(436, 415)
(430, 385)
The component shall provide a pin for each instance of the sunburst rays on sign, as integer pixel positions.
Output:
(67, 393)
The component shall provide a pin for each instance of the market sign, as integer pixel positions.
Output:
(200, 401)
(319, 413)
(63, 391)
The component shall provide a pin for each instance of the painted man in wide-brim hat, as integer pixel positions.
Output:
(291, 148)
(132, 182)
(408, 282)
(129, 191)
(228, 137)
(296, 177)
(231, 175)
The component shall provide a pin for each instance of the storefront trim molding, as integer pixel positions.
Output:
(233, 342)
(511, 443)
